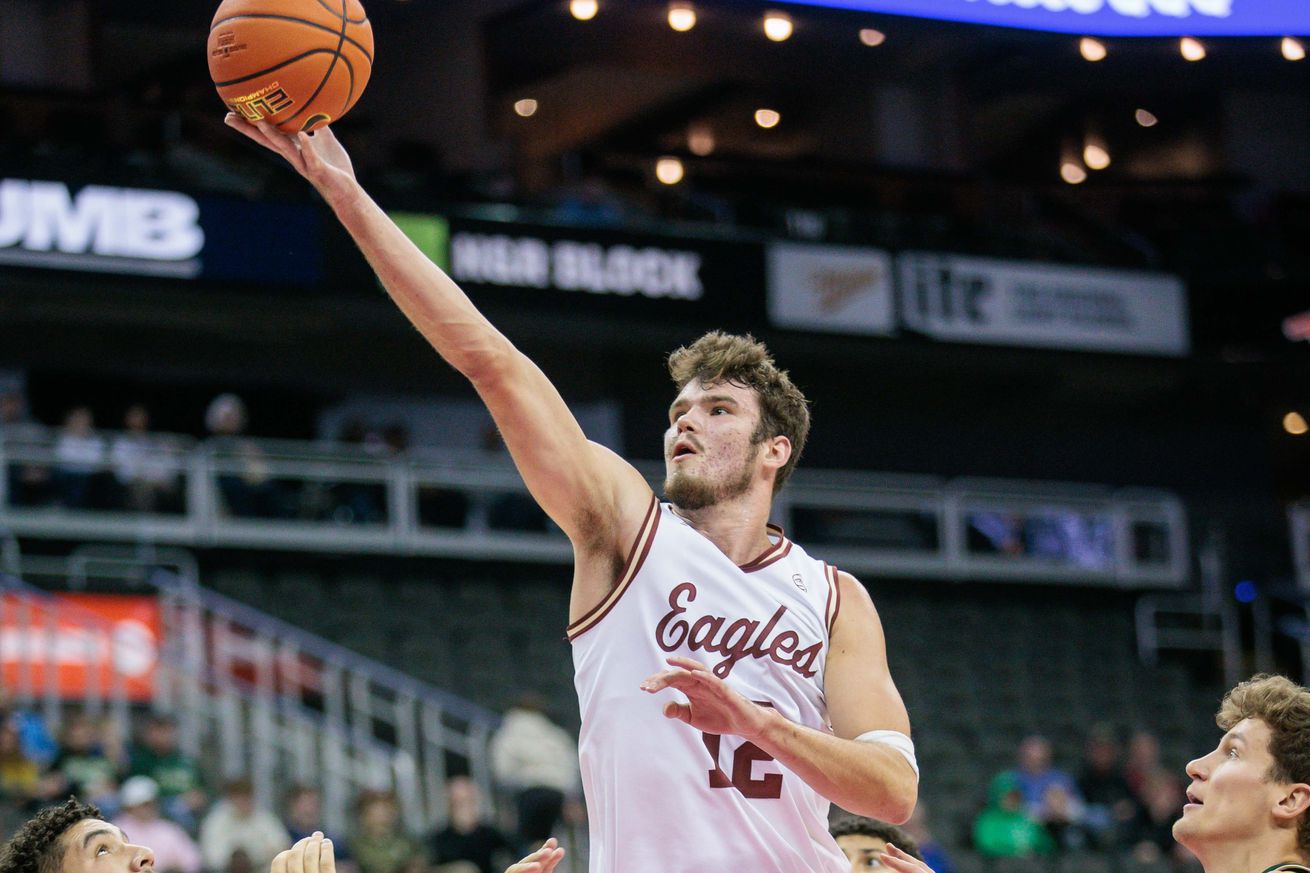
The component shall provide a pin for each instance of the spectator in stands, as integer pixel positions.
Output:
(1110, 805)
(145, 464)
(1143, 764)
(237, 833)
(29, 483)
(175, 851)
(250, 492)
(79, 461)
(467, 836)
(37, 742)
(379, 845)
(930, 849)
(864, 840)
(1049, 794)
(1152, 830)
(304, 816)
(181, 791)
(1005, 829)
(86, 765)
(536, 760)
(20, 776)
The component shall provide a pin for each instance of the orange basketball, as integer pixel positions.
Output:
(300, 64)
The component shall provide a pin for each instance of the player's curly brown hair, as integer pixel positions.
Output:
(1285, 707)
(36, 847)
(881, 830)
(744, 361)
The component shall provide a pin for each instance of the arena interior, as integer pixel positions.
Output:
(1048, 292)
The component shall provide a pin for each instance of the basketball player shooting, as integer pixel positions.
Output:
(770, 666)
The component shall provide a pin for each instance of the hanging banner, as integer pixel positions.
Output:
(1107, 17)
(83, 643)
(982, 300)
(831, 288)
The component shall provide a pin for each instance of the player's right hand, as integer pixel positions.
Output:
(313, 854)
(319, 157)
(543, 860)
(894, 859)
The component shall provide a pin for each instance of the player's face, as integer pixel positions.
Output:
(863, 851)
(708, 453)
(94, 846)
(1230, 797)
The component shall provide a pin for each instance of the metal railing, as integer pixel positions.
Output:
(334, 498)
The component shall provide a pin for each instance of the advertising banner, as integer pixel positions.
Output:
(831, 288)
(84, 643)
(995, 302)
(1108, 17)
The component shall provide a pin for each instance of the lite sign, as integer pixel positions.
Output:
(100, 229)
(1108, 17)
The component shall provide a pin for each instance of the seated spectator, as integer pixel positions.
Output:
(175, 851)
(85, 766)
(379, 845)
(30, 483)
(1152, 830)
(863, 841)
(145, 465)
(1110, 805)
(20, 776)
(467, 836)
(1005, 829)
(537, 760)
(304, 816)
(1049, 793)
(931, 850)
(249, 491)
(1143, 764)
(35, 738)
(237, 834)
(181, 792)
(79, 461)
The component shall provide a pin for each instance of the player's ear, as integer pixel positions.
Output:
(777, 451)
(1294, 803)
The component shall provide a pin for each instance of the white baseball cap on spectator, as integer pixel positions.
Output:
(138, 790)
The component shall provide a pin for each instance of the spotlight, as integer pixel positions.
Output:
(1095, 155)
(1146, 118)
(682, 16)
(1295, 424)
(1092, 49)
(1072, 173)
(584, 10)
(669, 171)
(525, 108)
(1292, 49)
(872, 37)
(1191, 49)
(767, 118)
(778, 25)
(700, 141)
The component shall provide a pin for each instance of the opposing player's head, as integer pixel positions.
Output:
(737, 424)
(73, 838)
(863, 840)
(1254, 788)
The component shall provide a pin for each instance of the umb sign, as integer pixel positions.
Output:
(983, 300)
(101, 229)
(1108, 17)
(82, 644)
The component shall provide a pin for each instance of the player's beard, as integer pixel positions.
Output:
(697, 492)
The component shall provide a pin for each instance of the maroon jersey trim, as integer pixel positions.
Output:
(774, 553)
(636, 557)
(834, 596)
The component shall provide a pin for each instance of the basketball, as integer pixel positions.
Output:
(300, 64)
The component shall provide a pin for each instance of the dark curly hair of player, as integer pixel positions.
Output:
(867, 827)
(35, 848)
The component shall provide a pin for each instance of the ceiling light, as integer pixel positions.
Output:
(1295, 424)
(1095, 153)
(1146, 118)
(700, 141)
(1191, 48)
(526, 107)
(669, 171)
(1292, 49)
(778, 26)
(1092, 49)
(872, 37)
(1072, 173)
(584, 10)
(682, 16)
(767, 118)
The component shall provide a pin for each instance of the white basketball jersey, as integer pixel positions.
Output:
(662, 797)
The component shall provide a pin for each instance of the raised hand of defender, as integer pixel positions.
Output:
(894, 859)
(317, 156)
(541, 861)
(313, 854)
(712, 705)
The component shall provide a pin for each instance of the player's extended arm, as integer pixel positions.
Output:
(588, 491)
(866, 778)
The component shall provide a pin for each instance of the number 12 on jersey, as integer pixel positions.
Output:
(767, 787)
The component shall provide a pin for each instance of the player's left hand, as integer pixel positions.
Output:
(712, 705)
(894, 859)
(544, 860)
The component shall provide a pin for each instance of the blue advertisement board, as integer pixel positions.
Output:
(1107, 17)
